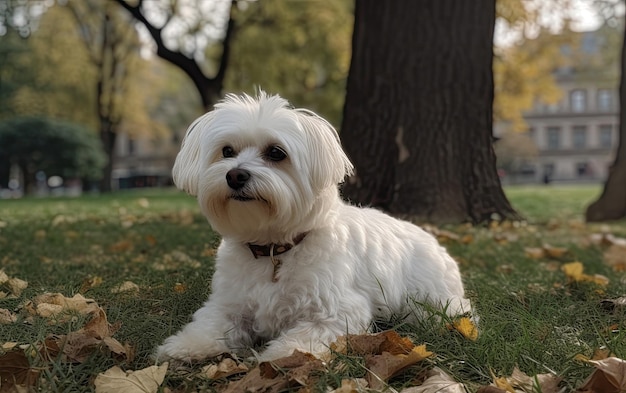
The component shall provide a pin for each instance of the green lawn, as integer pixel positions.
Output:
(531, 315)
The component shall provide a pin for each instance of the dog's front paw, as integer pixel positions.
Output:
(187, 349)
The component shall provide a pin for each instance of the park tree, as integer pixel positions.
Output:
(181, 33)
(418, 114)
(300, 50)
(58, 148)
(611, 205)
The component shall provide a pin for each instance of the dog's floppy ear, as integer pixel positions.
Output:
(188, 164)
(330, 165)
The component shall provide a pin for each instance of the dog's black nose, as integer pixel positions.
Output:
(237, 178)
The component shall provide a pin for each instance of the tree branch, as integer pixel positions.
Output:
(209, 88)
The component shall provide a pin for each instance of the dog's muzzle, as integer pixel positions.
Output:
(237, 178)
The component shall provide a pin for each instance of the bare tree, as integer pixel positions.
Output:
(418, 113)
(189, 53)
(111, 43)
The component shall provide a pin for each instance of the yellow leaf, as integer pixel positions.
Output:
(573, 270)
(225, 368)
(466, 327)
(534, 253)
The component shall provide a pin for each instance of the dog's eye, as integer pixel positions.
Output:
(275, 153)
(228, 152)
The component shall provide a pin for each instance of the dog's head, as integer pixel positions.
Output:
(261, 170)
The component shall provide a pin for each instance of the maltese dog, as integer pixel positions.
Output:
(297, 266)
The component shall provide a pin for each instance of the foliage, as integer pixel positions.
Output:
(513, 150)
(57, 148)
(533, 315)
(300, 50)
(37, 81)
(523, 70)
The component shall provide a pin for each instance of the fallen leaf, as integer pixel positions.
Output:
(386, 365)
(574, 273)
(115, 380)
(437, 382)
(151, 240)
(126, 286)
(614, 304)
(467, 328)
(554, 252)
(373, 344)
(223, 369)
(52, 304)
(615, 257)
(15, 370)
(143, 202)
(277, 375)
(356, 385)
(534, 253)
(121, 246)
(13, 285)
(90, 282)
(609, 377)
(7, 317)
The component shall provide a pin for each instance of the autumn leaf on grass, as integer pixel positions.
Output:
(615, 257)
(272, 377)
(608, 377)
(386, 365)
(437, 382)
(356, 385)
(373, 344)
(7, 317)
(15, 370)
(115, 380)
(520, 382)
(574, 271)
(466, 327)
(223, 369)
(78, 346)
(126, 286)
(51, 305)
(13, 285)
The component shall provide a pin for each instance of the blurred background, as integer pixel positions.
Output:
(96, 95)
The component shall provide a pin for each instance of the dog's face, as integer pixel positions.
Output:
(260, 168)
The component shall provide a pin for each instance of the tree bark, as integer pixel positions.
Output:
(418, 113)
(612, 203)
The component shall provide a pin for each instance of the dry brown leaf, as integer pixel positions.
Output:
(554, 252)
(356, 385)
(615, 257)
(613, 304)
(609, 377)
(121, 246)
(151, 240)
(223, 369)
(275, 376)
(384, 366)
(373, 344)
(13, 285)
(115, 380)
(15, 370)
(534, 253)
(519, 382)
(437, 382)
(52, 304)
(7, 317)
(90, 282)
(126, 286)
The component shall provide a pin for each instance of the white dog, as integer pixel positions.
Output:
(297, 267)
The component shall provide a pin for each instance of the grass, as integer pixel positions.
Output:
(531, 315)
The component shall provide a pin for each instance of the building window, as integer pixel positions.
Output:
(554, 138)
(579, 137)
(605, 100)
(578, 101)
(606, 136)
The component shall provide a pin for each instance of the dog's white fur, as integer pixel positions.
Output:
(353, 265)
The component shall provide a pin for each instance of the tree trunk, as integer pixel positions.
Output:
(418, 114)
(612, 203)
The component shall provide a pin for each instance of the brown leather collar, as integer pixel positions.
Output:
(274, 249)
